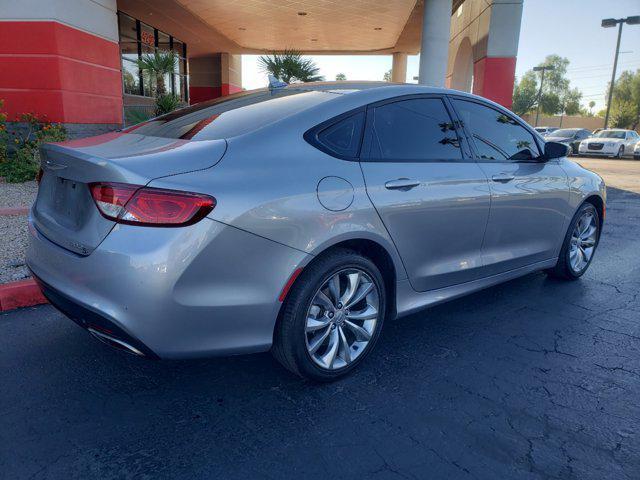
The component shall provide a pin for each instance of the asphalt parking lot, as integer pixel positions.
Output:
(532, 379)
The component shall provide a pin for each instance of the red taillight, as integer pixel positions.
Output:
(155, 207)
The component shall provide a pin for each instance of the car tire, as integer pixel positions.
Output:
(567, 268)
(298, 329)
(620, 152)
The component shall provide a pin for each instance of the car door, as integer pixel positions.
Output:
(432, 197)
(529, 196)
(631, 138)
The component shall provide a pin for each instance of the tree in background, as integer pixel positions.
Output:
(591, 105)
(556, 95)
(525, 93)
(341, 77)
(158, 65)
(387, 76)
(290, 66)
(625, 104)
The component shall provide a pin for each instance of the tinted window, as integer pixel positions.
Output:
(417, 129)
(343, 137)
(232, 115)
(497, 136)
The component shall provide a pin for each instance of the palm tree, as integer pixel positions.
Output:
(158, 64)
(290, 66)
(591, 105)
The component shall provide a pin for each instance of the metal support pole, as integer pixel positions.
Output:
(540, 94)
(613, 76)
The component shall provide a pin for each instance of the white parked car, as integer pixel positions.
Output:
(613, 142)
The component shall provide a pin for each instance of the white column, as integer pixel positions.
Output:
(399, 67)
(436, 25)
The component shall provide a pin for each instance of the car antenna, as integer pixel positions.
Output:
(275, 83)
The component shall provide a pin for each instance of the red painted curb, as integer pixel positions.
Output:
(14, 211)
(24, 293)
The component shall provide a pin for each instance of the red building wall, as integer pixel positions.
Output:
(60, 72)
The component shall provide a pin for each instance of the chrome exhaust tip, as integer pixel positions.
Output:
(115, 342)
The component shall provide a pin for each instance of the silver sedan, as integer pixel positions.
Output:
(299, 219)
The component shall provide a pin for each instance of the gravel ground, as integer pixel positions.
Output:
(13, 230)
(13, 244)
(13, 195)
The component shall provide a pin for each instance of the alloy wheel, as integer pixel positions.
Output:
(342, 318)
(583, 241)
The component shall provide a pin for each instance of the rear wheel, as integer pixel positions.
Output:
(332, 317)
(579, 245)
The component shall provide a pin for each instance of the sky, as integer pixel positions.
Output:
(569, 28)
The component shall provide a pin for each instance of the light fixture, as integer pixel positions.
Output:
(302, 14)
(378, 28)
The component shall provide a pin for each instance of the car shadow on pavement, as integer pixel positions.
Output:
(533, 376)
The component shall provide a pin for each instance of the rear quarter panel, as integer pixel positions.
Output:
(267, 184)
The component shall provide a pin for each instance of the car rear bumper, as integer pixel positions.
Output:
(99, 325)
(203, 290)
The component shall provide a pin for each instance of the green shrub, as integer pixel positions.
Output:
(22, 166)
(167, 103)
(21, 162)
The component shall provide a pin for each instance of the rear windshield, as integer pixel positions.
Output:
(232, 115)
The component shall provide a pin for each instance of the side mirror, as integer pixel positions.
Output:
(555, 150)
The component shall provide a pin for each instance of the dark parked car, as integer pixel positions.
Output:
(569, 136)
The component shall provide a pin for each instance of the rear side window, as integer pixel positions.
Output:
(417, 129)
(342, 138)
(496, 135)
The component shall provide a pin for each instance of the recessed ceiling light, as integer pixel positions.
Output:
(302, 14)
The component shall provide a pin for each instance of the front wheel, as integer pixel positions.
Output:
(620, 152)
(332, 317)
(579, 245)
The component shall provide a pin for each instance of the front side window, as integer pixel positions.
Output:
(414, 130)
(497, 136)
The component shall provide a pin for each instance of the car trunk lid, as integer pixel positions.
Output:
(64, 211)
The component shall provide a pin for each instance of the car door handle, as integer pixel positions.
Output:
(401, 184)
(503, 177)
